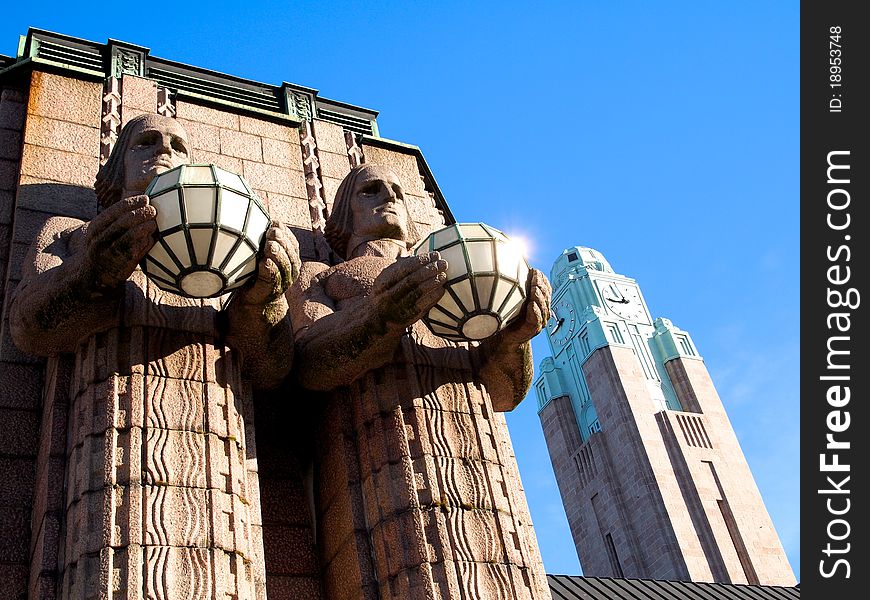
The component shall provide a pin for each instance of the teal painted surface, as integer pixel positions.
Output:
(606, 309)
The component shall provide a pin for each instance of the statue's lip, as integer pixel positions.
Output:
(386, 207)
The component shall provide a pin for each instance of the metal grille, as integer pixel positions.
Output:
(349, 122)
(263, 99)
(69, 55)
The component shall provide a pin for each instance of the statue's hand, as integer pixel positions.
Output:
(407, 289)
(116, 240)
(534, 314)
(278, 268)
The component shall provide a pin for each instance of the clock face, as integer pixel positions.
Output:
(562, 323)
(623, 300)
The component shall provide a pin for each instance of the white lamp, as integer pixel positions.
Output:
(210, 227)
(487, 278)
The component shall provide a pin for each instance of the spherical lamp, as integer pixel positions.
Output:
(486, 285)
(210, 225)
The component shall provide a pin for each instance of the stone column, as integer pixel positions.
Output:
(419, 494)
(161, 485)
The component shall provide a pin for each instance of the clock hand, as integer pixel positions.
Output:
(557, 325)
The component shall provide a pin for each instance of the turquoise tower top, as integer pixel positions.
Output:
(594, 306)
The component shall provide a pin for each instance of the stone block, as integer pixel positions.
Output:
(62, 199)
(138, 93)
(177, 516)
(65, 99)
(50, 480)
(14, 578)
(175, 458)
(13, 110)
(15, 547)
(272, 178)
(20, 432)
(286, 587)
(285, 154)
(9, 352)
(17, 477)
(284, 501)
(175, 356)
(230, 163)
(171, 403)
(46, 541)
(8, 174)
(202, 137)
(333, 165)
(267, 129)
(289, 550)
(330, 187)
(287, 209)
(241, 145)
(204, 114)
(338, 522)
(404, 165)
(7, 205)
(28, 223)
(225, 468)
(59, 166)
(20, 386)
(398, 543)
(330, 137)
(10, 144)
(349, 571)
(63, 135)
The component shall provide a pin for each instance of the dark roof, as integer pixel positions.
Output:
(575, 587)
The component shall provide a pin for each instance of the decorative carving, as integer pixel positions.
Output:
(314, 187)
(354, 151)
(428, 470)
(166, 102)
(156, 472)
(299, 104)
(111, 120)
(126, 61)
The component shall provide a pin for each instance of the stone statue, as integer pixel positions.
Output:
(160, 484)
(416, 493)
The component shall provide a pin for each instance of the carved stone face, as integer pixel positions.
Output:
(156, 145)
(378, 205)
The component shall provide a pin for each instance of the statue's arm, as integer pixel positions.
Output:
(258, 323)
(335, 346)
(73, 276)
(56, 304)
(504, 361)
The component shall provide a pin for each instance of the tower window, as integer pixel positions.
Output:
(572, 256)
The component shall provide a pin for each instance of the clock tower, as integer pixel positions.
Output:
(652, 477)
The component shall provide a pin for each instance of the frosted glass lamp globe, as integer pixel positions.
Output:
(487, 280)
(210, 225)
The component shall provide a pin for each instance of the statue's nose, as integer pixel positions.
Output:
(165, 145)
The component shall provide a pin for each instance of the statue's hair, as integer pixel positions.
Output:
(109, 183)
(339, 224)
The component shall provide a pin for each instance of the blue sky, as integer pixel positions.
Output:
(663, 134)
